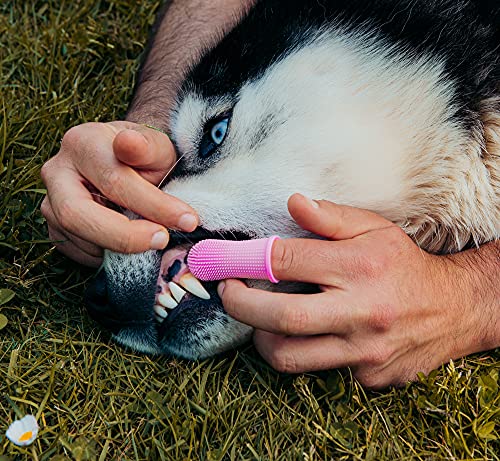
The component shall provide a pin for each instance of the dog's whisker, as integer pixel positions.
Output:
(163, 181)
(233, 234)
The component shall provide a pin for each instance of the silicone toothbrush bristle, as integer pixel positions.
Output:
(221, 259)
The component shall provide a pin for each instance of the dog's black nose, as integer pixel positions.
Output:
(98, 305)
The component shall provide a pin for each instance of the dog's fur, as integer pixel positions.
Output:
(387, 105)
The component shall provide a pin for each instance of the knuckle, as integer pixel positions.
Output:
(125, 243)
(397, 239)
(45, 208)
(283, 361)
(294, 321)
(373, 266)
(110, 182)
(283, 256)
(73, 137)
(45, 171)
(377, 357)
(381, 317)
(396, 245)
(76, 138)
(371, 380)
(342, 215)
(52, 236)
(67, 215)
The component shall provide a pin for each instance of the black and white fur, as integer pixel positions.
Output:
(387, 105)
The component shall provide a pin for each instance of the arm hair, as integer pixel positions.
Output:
(184, 29)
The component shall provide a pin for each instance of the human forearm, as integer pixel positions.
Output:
(475, 285)
(184, 29)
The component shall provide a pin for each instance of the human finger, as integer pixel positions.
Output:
(125, 187)
(147, 150)
(333, 221)
(301, 354)
(86, 247)
(289, 314)
(112, 230)
(312, 261)
(77, 213)
(69, 249)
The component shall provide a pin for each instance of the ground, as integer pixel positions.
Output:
(63, 63)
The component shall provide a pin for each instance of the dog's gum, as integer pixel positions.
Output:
(173, 266)
(169, 258)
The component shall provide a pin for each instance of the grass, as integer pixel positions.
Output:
(63, 63)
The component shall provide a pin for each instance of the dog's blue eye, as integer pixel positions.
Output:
(219, 131)
(214, 136)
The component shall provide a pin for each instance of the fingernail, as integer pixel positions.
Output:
(187, 222)
(313, 203)
(159, 240)
(220, 288)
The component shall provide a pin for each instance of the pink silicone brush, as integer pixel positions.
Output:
(222, 259)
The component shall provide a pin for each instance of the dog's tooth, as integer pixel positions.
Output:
(159, 319)
(167, 301)
(160, 311)
(193, 285)
(177, 292)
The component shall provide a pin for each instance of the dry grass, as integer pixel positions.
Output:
(62, 63)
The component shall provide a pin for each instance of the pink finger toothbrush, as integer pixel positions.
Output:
(221, 259)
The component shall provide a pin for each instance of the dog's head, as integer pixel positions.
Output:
(254, 124)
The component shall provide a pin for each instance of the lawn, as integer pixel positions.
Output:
(63, 63)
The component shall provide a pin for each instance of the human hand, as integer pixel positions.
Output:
(124, 162)
(386, 308)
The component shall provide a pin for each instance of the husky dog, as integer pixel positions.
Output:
(388, 105)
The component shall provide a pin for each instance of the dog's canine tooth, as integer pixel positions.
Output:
(193, 285)
(160, 311)
(177, 292)
(167, 301)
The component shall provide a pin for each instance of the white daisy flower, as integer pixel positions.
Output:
(23, 432)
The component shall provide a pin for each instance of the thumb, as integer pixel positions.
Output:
(335, 222)
(145, 149)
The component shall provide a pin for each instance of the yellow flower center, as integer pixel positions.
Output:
(26, 436)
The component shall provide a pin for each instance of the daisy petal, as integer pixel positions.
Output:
(23, 432)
